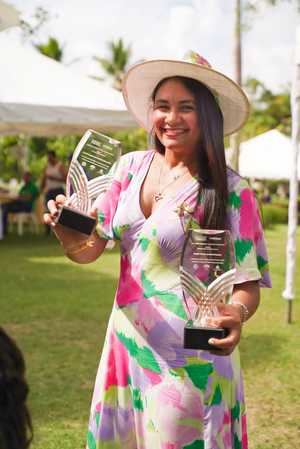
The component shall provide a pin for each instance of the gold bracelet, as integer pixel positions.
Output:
(244, 311)
(79, 247)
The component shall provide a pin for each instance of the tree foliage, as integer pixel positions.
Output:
(252, 7)
(12, 149)
(9, 163)
(31, 27)
(132, 140)
(268, 110)
(115, 65)
(51, 48)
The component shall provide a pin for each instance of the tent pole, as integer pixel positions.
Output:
(289, 312)
(288, 292)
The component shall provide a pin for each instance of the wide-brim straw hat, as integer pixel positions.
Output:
(142, 78)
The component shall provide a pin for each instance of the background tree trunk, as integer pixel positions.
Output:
(237, 61)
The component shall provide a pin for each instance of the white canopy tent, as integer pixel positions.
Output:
(9, 16)
(39, 96)
(266, 156)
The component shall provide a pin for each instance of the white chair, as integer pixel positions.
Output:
(22, 218)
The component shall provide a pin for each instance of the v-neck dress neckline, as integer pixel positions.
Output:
(184, 190)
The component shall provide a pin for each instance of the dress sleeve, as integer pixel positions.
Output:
(247, 232)
(106, 204)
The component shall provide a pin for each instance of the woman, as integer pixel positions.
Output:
(53, 179)
(150, 392)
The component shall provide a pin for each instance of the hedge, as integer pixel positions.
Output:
(273, 214)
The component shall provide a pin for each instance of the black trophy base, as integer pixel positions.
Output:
(197, 337)
(76, 220)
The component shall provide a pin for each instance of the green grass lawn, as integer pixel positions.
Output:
(58, 311)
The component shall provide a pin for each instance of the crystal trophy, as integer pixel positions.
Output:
(90, 174)
(207, 273)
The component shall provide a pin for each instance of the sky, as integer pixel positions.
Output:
(168, 29)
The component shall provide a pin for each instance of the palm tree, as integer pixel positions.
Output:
(115, 66)
(237, 58)
(51, 48)
(32, 27)
(241, 7)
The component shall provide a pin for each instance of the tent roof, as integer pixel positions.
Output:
(266, 156)
(40, 120)
(41, 96)
(9, 16)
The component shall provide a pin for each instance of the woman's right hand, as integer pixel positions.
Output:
(73, 241)
(66, 236)
(53, 207)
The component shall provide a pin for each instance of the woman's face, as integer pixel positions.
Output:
(175, 120)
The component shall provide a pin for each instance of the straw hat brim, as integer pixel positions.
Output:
(141, 79)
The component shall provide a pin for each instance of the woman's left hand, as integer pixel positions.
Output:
(230, 318)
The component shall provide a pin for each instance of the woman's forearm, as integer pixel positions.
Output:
(78, 247)
(247, 293)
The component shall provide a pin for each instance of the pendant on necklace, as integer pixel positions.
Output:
(158, 196)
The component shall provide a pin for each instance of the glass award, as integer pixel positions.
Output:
(90, 174)
(207, 274)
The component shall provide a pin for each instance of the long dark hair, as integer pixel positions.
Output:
(213, 190)
(15, 422)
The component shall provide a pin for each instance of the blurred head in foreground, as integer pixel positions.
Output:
(15, 422)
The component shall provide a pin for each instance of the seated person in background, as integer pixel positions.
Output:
(15, 422)
(266, 196)
(24, 202)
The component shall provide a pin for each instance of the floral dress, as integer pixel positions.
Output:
(150, 392)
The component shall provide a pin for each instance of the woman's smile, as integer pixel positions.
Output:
(173, 132)
(175, 119)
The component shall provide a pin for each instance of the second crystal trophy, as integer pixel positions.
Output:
(207, 273)
(90, 173)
